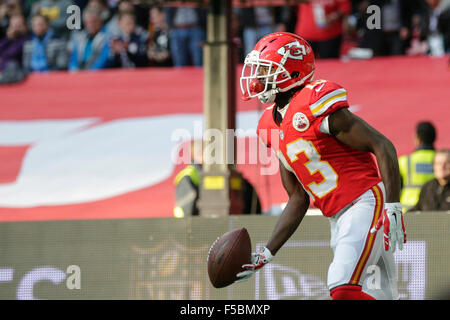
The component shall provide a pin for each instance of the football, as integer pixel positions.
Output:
(227, 255)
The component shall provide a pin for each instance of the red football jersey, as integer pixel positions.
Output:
(332, 173)
(267, 128)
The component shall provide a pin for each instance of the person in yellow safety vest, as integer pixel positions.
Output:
(187, 183)
(416, 169)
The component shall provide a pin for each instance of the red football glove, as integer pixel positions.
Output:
(394, 226)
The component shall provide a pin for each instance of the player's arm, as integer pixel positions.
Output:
(288, 222)
(355, 132)
(293, 213)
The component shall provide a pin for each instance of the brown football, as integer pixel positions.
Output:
(227, 255)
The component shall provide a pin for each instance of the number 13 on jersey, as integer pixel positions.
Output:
(319, 186)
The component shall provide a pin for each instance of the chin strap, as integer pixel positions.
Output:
(267, 97)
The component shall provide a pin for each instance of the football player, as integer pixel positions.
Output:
(325, 154)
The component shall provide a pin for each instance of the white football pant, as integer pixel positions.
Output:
(359, 256)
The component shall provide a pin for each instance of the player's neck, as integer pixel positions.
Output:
(281, 101)
(283, 98)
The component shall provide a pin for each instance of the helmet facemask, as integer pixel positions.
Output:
(260, 78)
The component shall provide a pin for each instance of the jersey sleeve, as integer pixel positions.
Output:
(326, 98)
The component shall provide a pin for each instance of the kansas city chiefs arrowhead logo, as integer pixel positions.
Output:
(296, 50)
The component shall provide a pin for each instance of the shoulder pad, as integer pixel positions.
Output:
(326, 97)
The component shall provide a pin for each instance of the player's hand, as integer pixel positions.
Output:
(259, 260)
(394, 226)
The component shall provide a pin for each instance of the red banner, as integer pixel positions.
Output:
(101, 144)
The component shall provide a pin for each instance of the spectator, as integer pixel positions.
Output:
(158, 47)
(102, 7)
(236, 38)
(141, 12)
(435, 16)
(394, 36)
(28, 6)
(139, 8)
(89, 47)
(112, 27)
(395, 27)
(416, 169)
(56, 12)
(435, 194)
(256, 22)
(44, 52)
(11, 49)
(112, 4)
(418, 44)
(321, 24)
(7, 10)
(187, 183)
(187, 35)
(444, 27)
(129, 49)
(286, 18)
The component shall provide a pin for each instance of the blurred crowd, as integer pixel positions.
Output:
(36, 35)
